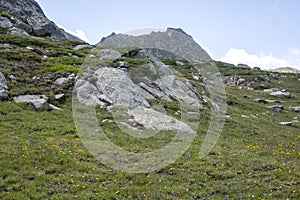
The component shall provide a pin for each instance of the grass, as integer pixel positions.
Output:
(42, 157)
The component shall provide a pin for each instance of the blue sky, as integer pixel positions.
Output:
(263, 33)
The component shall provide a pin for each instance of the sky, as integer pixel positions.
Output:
(263, 33)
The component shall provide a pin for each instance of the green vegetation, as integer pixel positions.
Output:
(4, 14)
(42, 156)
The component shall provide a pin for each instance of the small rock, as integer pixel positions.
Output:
(12, 77)
(53, 107)
(35, 78)
(92, 56)
(256, 69)
(61, 81)
(71, 76)
(245, 116)
(179, 63)
(241, 81)
(263, 101)
(6, 46)
(59, 96)
(276, 108)
(123, 64)
(196, 78)
(286, 123)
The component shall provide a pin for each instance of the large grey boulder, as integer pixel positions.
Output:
(3, 88)
(28, 16)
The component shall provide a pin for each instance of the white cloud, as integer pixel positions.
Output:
(79, 33)
(264, 61)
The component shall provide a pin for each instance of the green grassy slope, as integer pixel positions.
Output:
(42, 157)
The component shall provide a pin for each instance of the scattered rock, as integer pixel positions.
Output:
(35, 78)
(256, 69)
(3, 88)
(59, 96)
(38, 101)
(263, 101)
(241, 81)
(12, 77)
(61, 81)
(123, 64)
(109, 53)
(245, 116)
(281, 94)
(53, 107)
(5, 46)
(276, 108)
(286, 123)
(83, 47)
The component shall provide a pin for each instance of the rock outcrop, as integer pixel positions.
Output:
(26, 18)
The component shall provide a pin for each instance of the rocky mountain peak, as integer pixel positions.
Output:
(174, 40)
(26, 18)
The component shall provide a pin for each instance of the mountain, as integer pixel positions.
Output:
(285, 70)
(174, 40)
(26, 18)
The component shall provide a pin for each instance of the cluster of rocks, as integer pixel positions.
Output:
(236, 81)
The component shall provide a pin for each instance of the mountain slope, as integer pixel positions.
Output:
(26, 18)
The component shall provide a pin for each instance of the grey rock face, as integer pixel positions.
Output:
(3, 88)
(173, 40)
(28, 16)
(109, 53)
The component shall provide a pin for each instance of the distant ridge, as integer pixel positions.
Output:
(285, 70)
(174, 40)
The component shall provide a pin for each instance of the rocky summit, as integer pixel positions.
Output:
(26, 18)
(174, 40)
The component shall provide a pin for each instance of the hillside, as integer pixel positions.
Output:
(43, 157)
